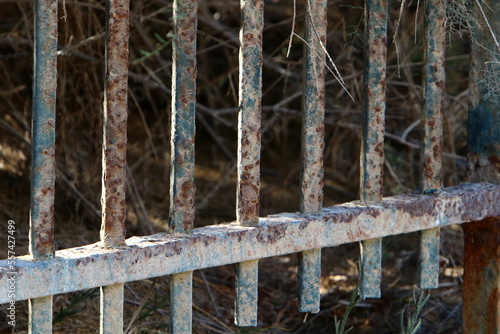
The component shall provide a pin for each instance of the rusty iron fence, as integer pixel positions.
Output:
(114, 260)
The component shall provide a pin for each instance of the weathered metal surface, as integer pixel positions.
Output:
(250, 110)
(163, 254)
(43, 135)
(249, 144)
(481, 306)
(40, 315)
(182, 186)
(114, 149)
(372, 143)
(481, 299)
(181, 302)
(313, 106)
(484, 115)
(43, 130)
(428, 259)
(111, 318)
(313, 143)
(370, 264)
(247, 293)
(433, 94)
(432, 120)
(309, 276)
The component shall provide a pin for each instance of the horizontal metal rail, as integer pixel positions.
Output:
(162, 254)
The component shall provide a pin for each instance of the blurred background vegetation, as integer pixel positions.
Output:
(79, 119)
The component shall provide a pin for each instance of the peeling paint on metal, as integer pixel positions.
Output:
(313, 106)
(250, 110)
(313, 142)
(432, 120)
(114, 149)
(249, 145)
(164, 254)
(111, 318)
(428, 261)
(182, 186)
(247, 293)
(40, 315)
(309, 275)
(43, 130)
(372, 143)
(433, 94)
(181, 301)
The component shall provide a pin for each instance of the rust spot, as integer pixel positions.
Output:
(173, 249)
(303, 225)
(271, 233)
(481, 275)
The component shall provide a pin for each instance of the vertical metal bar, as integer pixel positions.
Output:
(249, 144)
(181, 295)
(40, 315)
(43, 130)
(114, 148)
(372, 144)
(182, 186)
(432, 120)
(481, 299)
(111, 321)
(246, 293)
(43, 152)
(311, 190)
(309, 276)
(114, 153)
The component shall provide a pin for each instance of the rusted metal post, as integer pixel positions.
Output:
(432, 120)
(111, 320)
(40, 315)
(114, 153)
(481, 299)
(372, 144)
(181, 292)
(249, 144)
(43, 134)
(114, 148)
(313, 133)
(182, 186)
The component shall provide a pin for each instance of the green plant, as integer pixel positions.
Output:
(414, 322)
(75, 305)
(340, 325)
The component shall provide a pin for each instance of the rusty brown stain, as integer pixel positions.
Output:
(115, 125)
(481, 276)
(271, 233)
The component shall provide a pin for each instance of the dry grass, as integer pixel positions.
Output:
(79, 120)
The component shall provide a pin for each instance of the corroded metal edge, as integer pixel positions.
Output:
(40, 315)
(432, 134)
(183, 128)
(43, 130)
(162, 254)
(111, 317)
(247, 293)
(114, 148)
(250, 110)
(181, 301)
(372, 143)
